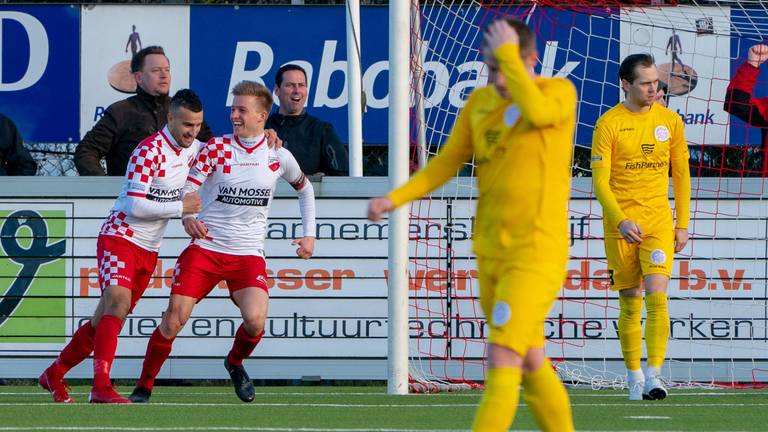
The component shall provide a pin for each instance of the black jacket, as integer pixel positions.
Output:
(312, 142)
(124, 125)
(14, 158)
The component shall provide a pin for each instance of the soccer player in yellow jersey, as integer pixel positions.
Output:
(633, 147)
(520, 132)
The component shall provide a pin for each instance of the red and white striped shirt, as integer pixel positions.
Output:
(151, 194)
(236, 180)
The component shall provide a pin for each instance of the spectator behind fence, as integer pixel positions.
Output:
(15, 160)
(127, 122)
(313, 142)
(740, 100)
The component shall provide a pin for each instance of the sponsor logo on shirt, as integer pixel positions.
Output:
(645, 165)
(244, 196)
(628, 129)
(647, 148)
(163, 195)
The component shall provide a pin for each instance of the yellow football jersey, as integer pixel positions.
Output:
(522, 148)
(632, 154)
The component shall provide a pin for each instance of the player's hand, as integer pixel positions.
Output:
(306, 247)
(378, 206)
(195, 228)
(758, 54)
(499, 33)
(681, 239)
(630, 231)
(191, 203)
(273, 141)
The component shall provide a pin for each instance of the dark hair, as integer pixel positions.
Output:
(286, 68)
(137, 62)
(188, 99)
(629, 65)
(527, 38)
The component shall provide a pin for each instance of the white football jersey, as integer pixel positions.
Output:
(151, 195)
(236, 185)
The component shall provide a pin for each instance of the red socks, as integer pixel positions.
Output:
(104, 347)
(243, 346)
(77, 350)
(158, 350)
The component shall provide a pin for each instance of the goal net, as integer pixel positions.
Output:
(718, 295)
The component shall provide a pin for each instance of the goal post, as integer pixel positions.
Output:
(718, 294)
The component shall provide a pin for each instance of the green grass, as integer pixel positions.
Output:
(370, 409)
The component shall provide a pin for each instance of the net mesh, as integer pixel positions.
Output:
(718, 295)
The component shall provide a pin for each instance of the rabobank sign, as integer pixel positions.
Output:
(232, 44)
(39, 54)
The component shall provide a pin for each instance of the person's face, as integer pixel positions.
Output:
(155, 76)
(496, 77)
(247, 116)
(292, 93)
(184, 125)
(642, 91)
(660, 98)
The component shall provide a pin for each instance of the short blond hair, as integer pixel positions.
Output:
(259, 91)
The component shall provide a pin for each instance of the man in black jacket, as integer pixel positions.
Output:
(125, 123)
(312, 142)
(14, 158)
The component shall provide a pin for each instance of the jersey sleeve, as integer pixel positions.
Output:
(291, 171)
(144, 164)
(681, 175)
(603, 139)
(541, 106)
(453, 154)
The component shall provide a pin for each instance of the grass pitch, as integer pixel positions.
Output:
(346, 409)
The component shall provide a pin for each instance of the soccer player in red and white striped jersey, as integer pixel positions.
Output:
(128, 243)
(236, 176)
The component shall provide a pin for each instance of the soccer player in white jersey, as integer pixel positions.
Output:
(129, 241)
(236, 176)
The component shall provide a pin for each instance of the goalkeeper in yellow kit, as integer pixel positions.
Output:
(520, 132)
(633, 147)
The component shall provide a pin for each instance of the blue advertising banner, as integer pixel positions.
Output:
(39, 70)
(232, 44)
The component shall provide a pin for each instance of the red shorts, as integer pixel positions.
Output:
(199, 270)
(124, 264)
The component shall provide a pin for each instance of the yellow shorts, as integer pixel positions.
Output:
(516, 301)
(628, 263)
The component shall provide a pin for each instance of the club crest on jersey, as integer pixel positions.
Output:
(511, 114)
(274, 164)
(661, 133)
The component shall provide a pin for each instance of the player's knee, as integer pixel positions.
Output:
(172, 323)
(254, 324)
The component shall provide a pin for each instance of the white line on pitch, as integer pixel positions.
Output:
(648, 417)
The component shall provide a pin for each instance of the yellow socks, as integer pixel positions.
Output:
(499, 403)
(656, 328)
(547, 399)
(631, 331)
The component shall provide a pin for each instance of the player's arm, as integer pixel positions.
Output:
(95, 145)
(452, 155)
(603, 139)
(202, 167)
(552, 106)
(681, 184)
(142, 168)
(303, 187)
(738, 97)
